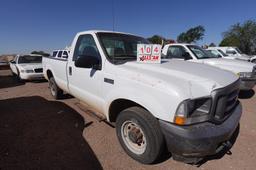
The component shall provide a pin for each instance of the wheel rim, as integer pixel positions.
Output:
(133, 137)
(52, 89)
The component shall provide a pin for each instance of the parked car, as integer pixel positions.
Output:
(60, 54)
(219, 53)
(193, 53)
(27, 67)
(190, 108)
(234, 53)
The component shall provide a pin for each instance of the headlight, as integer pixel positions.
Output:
(29, 71)
(244, 74)
(189, 111)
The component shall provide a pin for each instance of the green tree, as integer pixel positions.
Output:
(242, 36)
(191, 35)
(212, 45)
(41, 53)
(156, 39)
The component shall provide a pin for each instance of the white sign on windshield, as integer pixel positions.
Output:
(149, 53)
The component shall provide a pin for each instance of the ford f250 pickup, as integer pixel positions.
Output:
(193, 53)
(189, 108)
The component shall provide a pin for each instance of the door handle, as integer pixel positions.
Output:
(70, 70)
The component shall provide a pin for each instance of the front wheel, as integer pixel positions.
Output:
(56, 92)
(18, 76)
(254, 61)
(139, 134)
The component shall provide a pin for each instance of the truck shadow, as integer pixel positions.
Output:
(41, 134)
(7, 81)
(246, 94)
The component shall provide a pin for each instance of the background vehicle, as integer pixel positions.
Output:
(219, 53)
(27, 67)
(234, 53)
(152, 106)
(245, 70)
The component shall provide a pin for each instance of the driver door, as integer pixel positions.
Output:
(84, 83)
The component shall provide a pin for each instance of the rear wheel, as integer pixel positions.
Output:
(140, 135)
(56, 92)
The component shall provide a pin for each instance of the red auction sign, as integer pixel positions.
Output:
(149, 53)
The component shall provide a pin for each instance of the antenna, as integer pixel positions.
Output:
(113, 23)
(113, 16)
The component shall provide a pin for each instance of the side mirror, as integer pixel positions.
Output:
(12, 61)
(187, 56)
(85, 61)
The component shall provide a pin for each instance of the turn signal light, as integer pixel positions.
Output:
(179, 120)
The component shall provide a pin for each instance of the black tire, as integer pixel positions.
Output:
(151, 131)
(13, 74)
(254, 61)
(56, 92)
(18, 77)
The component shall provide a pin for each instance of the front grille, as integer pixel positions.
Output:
(38, 70)
(225, 100)
(254, 72)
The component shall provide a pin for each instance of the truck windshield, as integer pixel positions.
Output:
(224, 54)
(120, 47)
(29, 59)
(214, 53)
(237, 49)
(200, 53)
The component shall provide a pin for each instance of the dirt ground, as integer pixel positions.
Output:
(37, 132)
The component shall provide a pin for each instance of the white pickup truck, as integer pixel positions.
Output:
(27, 67)
(233, 53)
(190, 108)
(245, 70)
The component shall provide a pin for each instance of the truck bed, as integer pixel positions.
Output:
(58, 67)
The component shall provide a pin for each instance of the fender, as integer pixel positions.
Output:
(158, 108)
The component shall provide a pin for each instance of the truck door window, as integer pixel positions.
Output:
(65, 54)
(54, 53)
(176, 52)
(59, 54)
(86, 46)
(232, 52)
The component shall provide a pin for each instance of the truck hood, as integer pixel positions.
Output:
(187, 76)
(234, 66)
(30, 66)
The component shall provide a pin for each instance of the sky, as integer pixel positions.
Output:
(28, 25)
